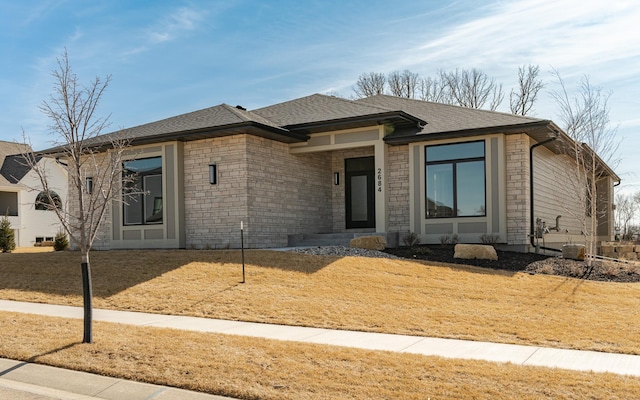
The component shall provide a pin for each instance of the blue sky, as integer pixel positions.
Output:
(172, 57)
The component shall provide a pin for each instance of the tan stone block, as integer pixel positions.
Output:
(607, 248)
(369, 242)
(624, 248)
(629, 256)
(573, 251)
(471, 251)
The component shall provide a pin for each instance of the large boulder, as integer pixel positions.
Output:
(471, 251)
(573, 251)
(369, 242)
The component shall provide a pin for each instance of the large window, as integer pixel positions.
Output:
(455, 180)
(142, 191)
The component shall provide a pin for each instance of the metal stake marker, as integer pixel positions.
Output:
(242, 247)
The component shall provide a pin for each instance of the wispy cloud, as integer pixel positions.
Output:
(179, 21)
(566, 33)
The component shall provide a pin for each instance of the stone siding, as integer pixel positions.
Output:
(213, 212)
(287, 193)
(398, 189)
(273, 192)
(517, 188)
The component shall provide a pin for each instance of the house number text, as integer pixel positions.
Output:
(379, 179)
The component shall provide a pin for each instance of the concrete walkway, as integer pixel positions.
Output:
(451, 348)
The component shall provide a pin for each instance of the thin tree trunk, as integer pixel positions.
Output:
(87, 295)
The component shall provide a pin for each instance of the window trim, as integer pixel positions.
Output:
(454, 164)
(144, 194)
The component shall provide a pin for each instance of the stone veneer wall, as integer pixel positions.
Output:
(273, 192)
(398, 202)
(213, 212)
(288, 193)
(517, 188)
(338, 191)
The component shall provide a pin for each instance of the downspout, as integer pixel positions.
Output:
(532, 233)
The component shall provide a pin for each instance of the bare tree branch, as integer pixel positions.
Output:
(403, 84)
(522, 100)
(72, 110)
(586, 120)
(370, 84)
(473, 88)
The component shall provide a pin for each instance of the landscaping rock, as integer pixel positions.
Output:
(631, 256)
(471, 251)
(369, 242)
(573, 251)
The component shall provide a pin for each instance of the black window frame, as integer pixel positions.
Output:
(454, 163)
(143, 193)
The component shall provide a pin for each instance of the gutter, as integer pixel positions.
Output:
(531, 222)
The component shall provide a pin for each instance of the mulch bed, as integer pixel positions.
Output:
(530, 262)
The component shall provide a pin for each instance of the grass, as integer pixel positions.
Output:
(250, 368)
(378, 295)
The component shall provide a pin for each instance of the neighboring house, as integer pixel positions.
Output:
(21, 196)
(326, 165)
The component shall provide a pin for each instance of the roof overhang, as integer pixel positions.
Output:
(536, 128)
(251, 128)
(399, 119)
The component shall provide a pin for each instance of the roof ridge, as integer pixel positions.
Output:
(453, 106)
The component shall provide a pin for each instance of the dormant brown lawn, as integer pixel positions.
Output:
(378, 295)
(250, 368)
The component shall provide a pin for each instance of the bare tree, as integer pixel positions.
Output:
(434, 89)
(403, 84)
(522, 100)
(370, 84)
(473, 88)
(626, 209)
(586, 120)
(94, 174)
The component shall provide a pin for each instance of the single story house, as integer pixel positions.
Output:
(322, 168)
(21, 195)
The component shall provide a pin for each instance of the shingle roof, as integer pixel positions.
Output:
(443, 118)
(290, 120)
(208, 122)
(212, 117)
(317, 108)
(12, 167)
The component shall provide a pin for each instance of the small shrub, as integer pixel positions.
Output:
(422, 250)
(490, 239)
(411, 239)
(450, 239)
(60, 243)
(7, 239)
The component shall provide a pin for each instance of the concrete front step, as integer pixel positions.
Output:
(336, 239)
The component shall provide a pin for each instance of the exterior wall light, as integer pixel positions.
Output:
(213, 174)
(336, 178)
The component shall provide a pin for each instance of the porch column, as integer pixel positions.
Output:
(380, 152)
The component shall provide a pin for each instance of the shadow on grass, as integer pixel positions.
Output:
(35, 358)
(114, 271)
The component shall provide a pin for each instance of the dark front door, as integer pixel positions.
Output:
(360, 192)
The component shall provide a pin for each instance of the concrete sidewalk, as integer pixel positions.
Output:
(451, 348)
(22, 380)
